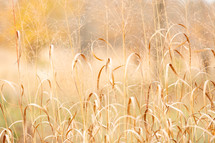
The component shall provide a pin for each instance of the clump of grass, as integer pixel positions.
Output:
(159, 93)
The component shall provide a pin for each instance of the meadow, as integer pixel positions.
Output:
(107, 71)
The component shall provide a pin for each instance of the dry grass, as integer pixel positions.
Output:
(131, 82)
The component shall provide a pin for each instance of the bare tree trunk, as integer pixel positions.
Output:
(160, 22)
(160, 18)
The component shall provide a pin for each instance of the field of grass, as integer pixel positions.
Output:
(107, 71)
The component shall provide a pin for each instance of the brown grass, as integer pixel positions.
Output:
(141, 75)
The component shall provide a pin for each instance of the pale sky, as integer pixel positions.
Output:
(210, 0)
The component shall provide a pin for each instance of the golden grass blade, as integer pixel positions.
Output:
(76, 59)
(166, 76)
(18, 48)
(109, 46)
(205, 49)
(4, 116)
(112, 81)
(170, 44)
(25, 120)
(179, 54)
(173, 69)
(98, 78)
(92, 51)
(151, 38)
(4, 138)
(128, 60)
(190, 55)
(206, 95)
(137, 136)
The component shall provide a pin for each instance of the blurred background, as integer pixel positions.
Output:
(72, 25)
